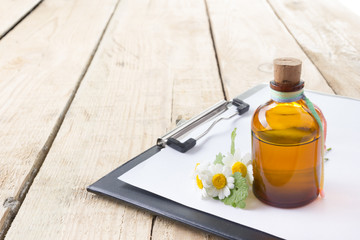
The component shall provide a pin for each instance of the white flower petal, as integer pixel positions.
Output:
(217, 168)
(237, 155)
(249, 176)
(230, 182)
(228, 159)
(226, 191)
(247, 159)
(206, 179)
(206, 184)
(204, 193)
(221, 195)
(212, 192)
(226, 171)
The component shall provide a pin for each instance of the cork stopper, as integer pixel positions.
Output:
(287, 73)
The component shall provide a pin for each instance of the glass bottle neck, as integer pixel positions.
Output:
(286, 97)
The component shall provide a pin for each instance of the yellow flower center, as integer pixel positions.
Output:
(199, 182)
(239, 167)
(219, 181)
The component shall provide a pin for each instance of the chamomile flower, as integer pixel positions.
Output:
(238, 164)
(226, 178)
(218, 181)
(201, 170)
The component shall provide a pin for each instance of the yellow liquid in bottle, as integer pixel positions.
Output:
(286, 152)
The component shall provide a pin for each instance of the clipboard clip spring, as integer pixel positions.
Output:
(170, 139)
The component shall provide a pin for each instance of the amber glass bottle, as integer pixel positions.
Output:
(286, 142)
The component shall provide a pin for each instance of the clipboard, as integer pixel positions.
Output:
(111, 186)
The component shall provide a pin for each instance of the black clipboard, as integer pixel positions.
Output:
(111, 186)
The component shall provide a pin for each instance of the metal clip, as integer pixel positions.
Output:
(170, 139)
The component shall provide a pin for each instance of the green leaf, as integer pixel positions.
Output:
(239, 193)
(219, 159)
(233, 135)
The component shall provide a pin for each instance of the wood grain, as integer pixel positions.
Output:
(12, 11)
(168, 229)
(41, 62)
(155, 62)
(329, 34)
(247, 38)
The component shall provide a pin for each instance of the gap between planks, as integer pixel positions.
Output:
(15, 204)
(19, 21)
(298, 43)
(214, 47)
(217, 64)
(152, 226)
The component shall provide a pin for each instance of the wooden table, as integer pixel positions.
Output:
(85, 85)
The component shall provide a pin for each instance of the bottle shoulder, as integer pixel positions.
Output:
(285, 122)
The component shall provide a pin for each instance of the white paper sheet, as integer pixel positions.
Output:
(169, 174)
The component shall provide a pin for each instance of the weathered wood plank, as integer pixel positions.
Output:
(329, 34)
(247, 38)
(41, 62)
(12, 11)
(155, 62)
(166, 229)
